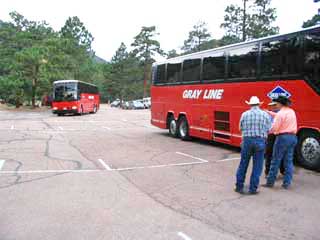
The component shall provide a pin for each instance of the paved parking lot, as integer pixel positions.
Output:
(114, 176)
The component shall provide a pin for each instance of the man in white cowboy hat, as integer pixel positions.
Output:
(254, 125)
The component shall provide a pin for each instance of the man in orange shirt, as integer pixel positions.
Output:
(285, 129)
(270, 142)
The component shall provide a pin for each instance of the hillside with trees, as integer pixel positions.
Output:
(33, 54)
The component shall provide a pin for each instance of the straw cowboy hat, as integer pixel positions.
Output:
(254, 100)
(272, 103)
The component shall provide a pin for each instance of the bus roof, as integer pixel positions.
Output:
(72, 81)
(213, 50)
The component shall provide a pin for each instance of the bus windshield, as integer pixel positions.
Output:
(65, 92)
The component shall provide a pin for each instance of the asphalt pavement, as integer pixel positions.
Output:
(112, 175)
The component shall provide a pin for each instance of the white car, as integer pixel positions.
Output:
(115, 103)
(137, 105)
(147, 102)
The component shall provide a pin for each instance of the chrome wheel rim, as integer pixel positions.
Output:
(173, 126)
(183, 129)
(310, 149)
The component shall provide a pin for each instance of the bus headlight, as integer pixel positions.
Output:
(55, 108)
(74, 107)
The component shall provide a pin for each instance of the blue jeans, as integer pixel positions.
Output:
(283, 150)
(251, 147)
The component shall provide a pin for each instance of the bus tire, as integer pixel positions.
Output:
(308, 150)
(95, 109)
(183, 128)
(60, 114)
(173, 128)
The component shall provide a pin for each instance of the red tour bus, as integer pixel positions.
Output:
(203, 94)
(73, 96)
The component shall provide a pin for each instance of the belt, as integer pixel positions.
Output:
(286, 133)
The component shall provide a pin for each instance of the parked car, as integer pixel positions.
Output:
(126, 105)
(147, 102)
(137, 105)
(115, 103)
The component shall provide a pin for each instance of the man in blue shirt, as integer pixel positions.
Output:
(254, 125)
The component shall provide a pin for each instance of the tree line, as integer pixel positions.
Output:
(33, 55)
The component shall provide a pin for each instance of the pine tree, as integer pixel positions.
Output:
(145, 48)
(197, 37)
(253, 19)
(312, 22)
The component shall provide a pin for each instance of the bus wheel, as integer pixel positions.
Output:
(183, 128)
(60, 114)
(173, 129)
(308, 150)
(94, 108)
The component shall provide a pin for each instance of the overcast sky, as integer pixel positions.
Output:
(113, 22)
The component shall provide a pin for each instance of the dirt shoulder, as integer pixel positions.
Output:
(5, 107)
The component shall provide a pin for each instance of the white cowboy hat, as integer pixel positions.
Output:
(272, 103)
(254, 100)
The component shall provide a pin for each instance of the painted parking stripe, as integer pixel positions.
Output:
(52, 171)
(184, 236)
(107, 128)
(106, 166)
(2, 163)
(12, 127)
(157, 166)
(193, 157)
(228, 159)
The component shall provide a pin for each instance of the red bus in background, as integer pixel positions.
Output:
(203, 94)
(73, 96)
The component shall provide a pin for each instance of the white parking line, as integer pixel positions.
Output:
(107, 128)
(52, 171)
(1, 164)
(12, 127)
(184, 236)
(228, 159)
(106, 166)
(157, 166)
(60, 128)
(125, 120)
(190, 156)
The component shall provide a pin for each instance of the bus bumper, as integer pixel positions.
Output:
(70, 111)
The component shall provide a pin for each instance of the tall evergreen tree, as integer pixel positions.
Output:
(261, 20)
(75, 29)
(197, 37)
(145, 47)
(253, 19)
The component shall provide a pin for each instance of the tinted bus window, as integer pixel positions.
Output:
(65, 91)
(58, 92)
(214, 67)
(161, 74)
(280, 57)
(242, 62)
(154, 75)
(312, 59)
(173, 72)
(191, 70)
